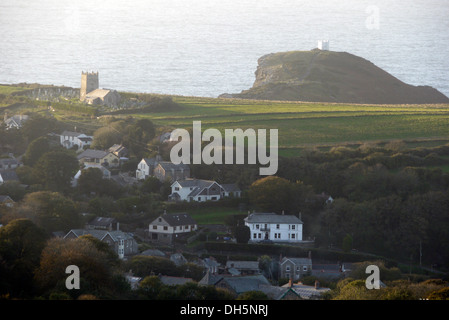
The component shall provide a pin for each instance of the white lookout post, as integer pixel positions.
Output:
(323, 45)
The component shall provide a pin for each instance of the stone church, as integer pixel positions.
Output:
(91, 94)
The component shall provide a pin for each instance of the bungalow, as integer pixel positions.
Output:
(274, 227)
(68, 139)
(167, 227)
(121, 242)
(200, 190)
(98, 157)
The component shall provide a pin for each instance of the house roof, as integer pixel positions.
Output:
(101, 234)
(167, 165)
(307, 292)
(178, 219)
(272, 218)
(198, 184)
(297, 261)
(4, 198)
(242, 284)
(93, 154)
(8, 161)
(275, 292)
(9, 175)
(230, 187)
(101, 221)
(253, 265)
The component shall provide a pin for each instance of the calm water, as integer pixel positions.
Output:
(209, 47)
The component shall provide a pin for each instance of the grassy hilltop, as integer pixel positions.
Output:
(329, 76)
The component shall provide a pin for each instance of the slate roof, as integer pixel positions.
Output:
(100, 234)
(230, 187)
(9, 175)
(168, 166)
(178, 219)
(272, 218)
(93, 154)
(297, 261)
(101, 221)
(242, 284)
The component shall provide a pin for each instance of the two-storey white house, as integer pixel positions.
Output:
(68, 139)
(167, 227)
(274, 227)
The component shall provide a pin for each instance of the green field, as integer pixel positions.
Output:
(300, 124)
(303, 125)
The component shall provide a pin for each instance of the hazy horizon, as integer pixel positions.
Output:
(206, 48)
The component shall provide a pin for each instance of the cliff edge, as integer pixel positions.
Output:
(329, 76)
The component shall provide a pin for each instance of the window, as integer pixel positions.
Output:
(293, 236)
(304, 268)
(165, 228)
(287, 268)
(259, 235)
(277, 226)
(254, 235)
(177, 188)
(257, 226)
(154, 227)
(293, 227)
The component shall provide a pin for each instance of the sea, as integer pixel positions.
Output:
(205, 48)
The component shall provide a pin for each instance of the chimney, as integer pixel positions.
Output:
(118, 226)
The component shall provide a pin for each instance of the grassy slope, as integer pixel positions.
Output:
(310, 124)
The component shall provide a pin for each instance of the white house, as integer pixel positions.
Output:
(146, 167)
(167, 227)
(68, 139)
(274, 227)
(201, 190)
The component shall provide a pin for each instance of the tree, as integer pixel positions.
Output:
(252, 295)
(95, 270)
(21, 244)
(242, 234)
(55, 169)
(50, 210)
(35, 150)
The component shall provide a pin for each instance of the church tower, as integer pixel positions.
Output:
(89, 82)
